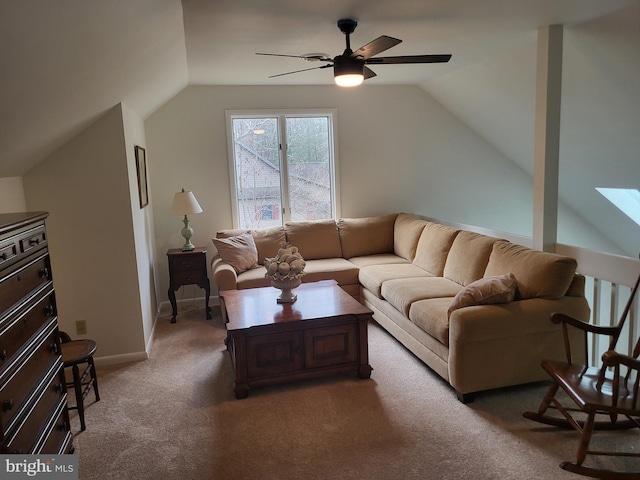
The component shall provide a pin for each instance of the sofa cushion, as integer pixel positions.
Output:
(406, 232)
(539, 274)
(316, 239)
(402, 292)
(485, 291)
(366, 236)
(373, 276)
(468, 257)
(253, 278)
(240, 251)
(267, 240)
(431, 316)
(433, 247)
(377, 259)
(342, 271)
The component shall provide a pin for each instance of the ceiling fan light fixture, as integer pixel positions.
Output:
(348, 73)
(349, 80)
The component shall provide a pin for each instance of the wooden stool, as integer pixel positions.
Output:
(74, 353)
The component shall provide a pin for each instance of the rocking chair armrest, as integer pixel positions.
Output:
(566, 320)
(587, 327)
(611, 358)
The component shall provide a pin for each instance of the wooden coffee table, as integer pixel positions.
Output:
(324, 332)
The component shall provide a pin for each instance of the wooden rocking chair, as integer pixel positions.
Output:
(594, 392)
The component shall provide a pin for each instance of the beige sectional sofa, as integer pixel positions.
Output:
(472, 307)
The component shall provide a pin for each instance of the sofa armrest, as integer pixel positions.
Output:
(224, 275)
(495, 345)
(483, 322)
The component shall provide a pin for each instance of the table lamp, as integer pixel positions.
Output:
(185, 203)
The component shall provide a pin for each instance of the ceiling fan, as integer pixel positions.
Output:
(350, 68)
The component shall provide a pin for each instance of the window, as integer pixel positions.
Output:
(282, 167)
(626, 199)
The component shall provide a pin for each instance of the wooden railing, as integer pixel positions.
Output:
(610, 279)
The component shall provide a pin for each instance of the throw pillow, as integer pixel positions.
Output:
(240, 251)
(485, 291)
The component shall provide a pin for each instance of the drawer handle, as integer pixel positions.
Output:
(44, 272)
(53, 348)
(4, 256)
(3, 355)
(49, 311)
(7, 405)
(34, 241)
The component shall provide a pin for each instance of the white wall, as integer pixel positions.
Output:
(399, 150)
(143, 230)
(12, 195)
(600, 121)
(86, 188)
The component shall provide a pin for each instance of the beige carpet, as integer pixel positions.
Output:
(175, 416)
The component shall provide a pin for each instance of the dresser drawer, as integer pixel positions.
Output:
(21, 243)
(20, 383)
(188, 262)
(58, 437)
(35, 239)
(25, 279)
(188, 278)
(8, 252)
(17, 330)
(32, 430)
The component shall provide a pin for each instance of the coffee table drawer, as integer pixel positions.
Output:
(328, 346)
(274, 354)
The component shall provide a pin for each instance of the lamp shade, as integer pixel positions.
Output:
(185, 203)
(348, 72)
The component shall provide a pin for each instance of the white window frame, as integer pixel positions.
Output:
(280, 114)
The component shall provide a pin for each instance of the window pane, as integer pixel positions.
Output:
(257, 165)
(309, 168)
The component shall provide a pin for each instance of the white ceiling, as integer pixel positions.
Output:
(66, 62)
(223, 36)
(63, 64)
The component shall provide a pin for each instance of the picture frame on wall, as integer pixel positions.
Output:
(141, 167)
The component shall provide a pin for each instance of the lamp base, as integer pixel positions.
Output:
(187, 233)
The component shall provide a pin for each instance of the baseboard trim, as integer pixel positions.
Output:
(124, 358)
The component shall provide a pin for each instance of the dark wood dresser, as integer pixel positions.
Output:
(34, 418)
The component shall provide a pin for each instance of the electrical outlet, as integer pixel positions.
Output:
(81, 327)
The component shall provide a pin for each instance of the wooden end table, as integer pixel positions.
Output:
(188, 268)
(324, 332)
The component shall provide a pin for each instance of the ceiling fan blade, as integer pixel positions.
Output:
(408, 59)
(376, 46)
(368, 73)
(303, 70)
(304, 57)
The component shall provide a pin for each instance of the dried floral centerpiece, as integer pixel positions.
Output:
(286, 270)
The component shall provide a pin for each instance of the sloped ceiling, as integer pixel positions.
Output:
(65, 63)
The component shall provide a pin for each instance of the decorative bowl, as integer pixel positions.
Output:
(286, 285)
